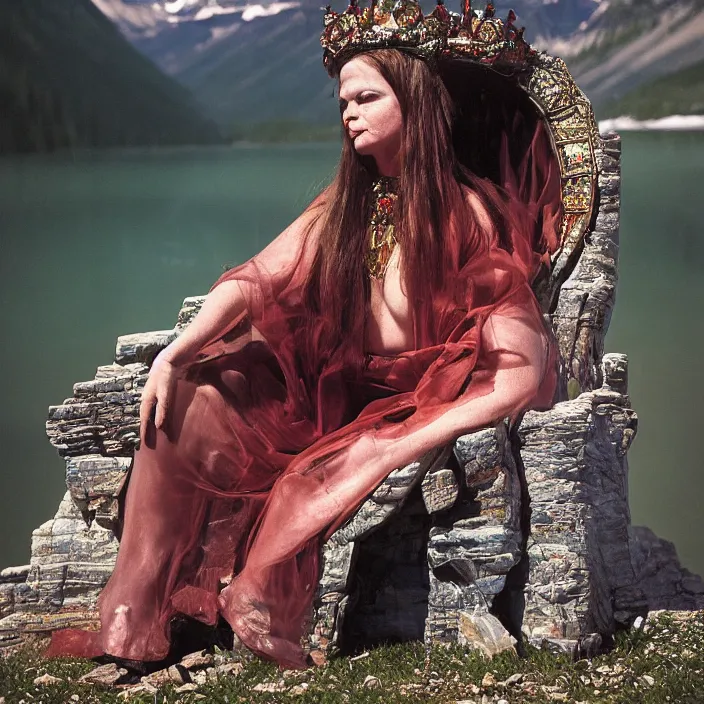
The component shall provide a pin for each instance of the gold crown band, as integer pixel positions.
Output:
(400, 24)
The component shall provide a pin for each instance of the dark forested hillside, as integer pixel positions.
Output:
(681, 93)
(69, 79)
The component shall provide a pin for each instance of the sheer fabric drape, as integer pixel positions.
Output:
(271, 444)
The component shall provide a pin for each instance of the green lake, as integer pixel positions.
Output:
(100, 245)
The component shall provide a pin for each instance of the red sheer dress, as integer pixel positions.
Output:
(269, 448)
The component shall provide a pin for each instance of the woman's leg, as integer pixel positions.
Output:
(301, 506)
(163, 517)
(196, 488)
(157, 507)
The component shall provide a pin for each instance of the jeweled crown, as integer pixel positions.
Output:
(400, 24)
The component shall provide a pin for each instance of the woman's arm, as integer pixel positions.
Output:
(517, 350)
(221, 306)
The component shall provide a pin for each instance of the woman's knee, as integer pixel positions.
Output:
(194, 412)
(295, 487)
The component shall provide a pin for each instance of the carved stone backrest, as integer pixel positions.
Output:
(589, 185)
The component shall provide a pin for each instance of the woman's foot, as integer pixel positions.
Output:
(237, 605)
(250, 621)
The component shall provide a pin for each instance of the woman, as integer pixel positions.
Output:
(384, 322)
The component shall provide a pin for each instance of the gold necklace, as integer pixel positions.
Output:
(381, 232)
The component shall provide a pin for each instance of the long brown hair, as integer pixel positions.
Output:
(431, 200)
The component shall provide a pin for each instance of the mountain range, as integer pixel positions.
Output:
(632, 46)
(134, 72)
(252, 63)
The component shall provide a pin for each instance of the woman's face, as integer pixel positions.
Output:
(371, 113)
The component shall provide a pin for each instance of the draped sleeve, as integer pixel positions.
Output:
(494, 359)
(271, 284)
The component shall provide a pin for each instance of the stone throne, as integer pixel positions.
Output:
(524, 532)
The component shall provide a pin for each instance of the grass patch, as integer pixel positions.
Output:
(664, 663)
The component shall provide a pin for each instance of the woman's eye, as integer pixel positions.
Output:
(364, 97)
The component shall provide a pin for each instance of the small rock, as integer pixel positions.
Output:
(139, 689)
(502, 701)
(488, 680)
(297, 690)
(188, 687)
(514, 679)
(440, 490)
(558, 696)
(46, 679)
(484, 632)
(195, 661)
(199, 677)
(318, 657)
(75, 698)
(548, 688)
(648, 680)
(230, 668)
(107, 675)
(171, 675)
(371, 682)
(638, 623)
(269, 687)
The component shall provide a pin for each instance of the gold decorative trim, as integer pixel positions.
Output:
(575, 135)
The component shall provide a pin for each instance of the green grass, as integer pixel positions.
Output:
(670, 652)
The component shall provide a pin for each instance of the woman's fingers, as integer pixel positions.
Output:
(145, 409)
(162, 404)
(157, 392)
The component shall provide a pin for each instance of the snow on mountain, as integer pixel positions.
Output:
(545, 19)
(174, 34)
(247, 62)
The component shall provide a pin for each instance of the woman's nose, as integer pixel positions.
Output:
(348, 116)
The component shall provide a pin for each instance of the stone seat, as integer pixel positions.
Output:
(520, 532)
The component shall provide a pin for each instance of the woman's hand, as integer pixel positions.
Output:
(158, 391)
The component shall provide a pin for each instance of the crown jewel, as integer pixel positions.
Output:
(400, 24)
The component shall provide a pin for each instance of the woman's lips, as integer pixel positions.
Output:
(354, 134)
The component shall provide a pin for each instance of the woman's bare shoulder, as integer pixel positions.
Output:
(298, 240)
(478, 209)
